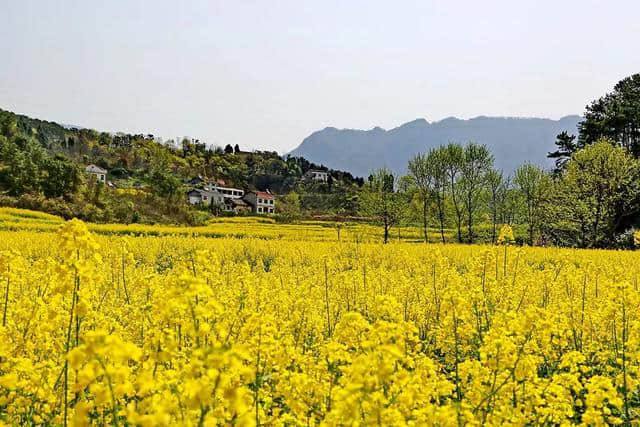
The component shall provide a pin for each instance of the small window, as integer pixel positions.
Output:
(259, 209)
(204, 197)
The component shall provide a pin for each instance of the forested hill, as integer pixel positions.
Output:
(42, 167)
(512, 140)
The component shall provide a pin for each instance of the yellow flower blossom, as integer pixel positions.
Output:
(179, 330)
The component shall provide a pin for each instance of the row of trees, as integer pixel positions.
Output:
(452, 186)
(590, 204)
(590, 199)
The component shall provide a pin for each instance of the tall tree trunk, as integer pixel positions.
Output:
(470, 219)
(530, 211)
(441, 213)
(457, 209)
(424, 218)
(596, 224)
(386, 232)
(495, 219)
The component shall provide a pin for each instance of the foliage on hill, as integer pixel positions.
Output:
(42, 167)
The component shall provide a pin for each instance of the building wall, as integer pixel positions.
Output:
(265, 205)
(100, 177)
(260, 205)
(251, 199)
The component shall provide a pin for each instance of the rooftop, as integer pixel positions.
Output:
(95, 169)
(264, 194)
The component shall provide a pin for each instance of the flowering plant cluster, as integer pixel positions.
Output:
(174, 330)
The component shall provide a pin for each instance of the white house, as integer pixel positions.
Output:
(227, 192)
(98, 172)
(317, 175)
(261, 201)
(197, 197)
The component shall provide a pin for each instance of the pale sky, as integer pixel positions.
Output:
(265, 74)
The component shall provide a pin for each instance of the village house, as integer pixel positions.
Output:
(229, 199)
(227, 192)
(261, 201)
(198, 197)
(237, 206)
(98, 172)
(317, 175)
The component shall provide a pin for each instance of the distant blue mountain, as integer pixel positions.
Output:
(512, 141)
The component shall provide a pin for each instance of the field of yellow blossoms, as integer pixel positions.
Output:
(183, 330)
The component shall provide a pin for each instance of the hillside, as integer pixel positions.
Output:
(42, 167)
(512, 140)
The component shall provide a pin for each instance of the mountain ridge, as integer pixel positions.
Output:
(513, 140)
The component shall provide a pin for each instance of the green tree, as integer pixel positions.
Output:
(63, 177)
(22, 160)
(566, 147)
(422, 177)
(496, 188)
(595, 185)
(476, 163)
(510, 202)
(290, 206)
(165, 185)
(534, 185)
(380, 201)
(453, 155)
(438, 161)
(615, 116)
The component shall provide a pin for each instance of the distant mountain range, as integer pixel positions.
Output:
(512, 141)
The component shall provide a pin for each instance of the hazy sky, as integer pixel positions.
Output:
(265, 74)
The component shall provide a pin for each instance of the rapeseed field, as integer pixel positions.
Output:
(174, 329)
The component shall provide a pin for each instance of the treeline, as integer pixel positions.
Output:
(591, 198)
(452, 186)
(29, 168)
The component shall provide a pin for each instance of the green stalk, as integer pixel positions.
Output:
(6, 300)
